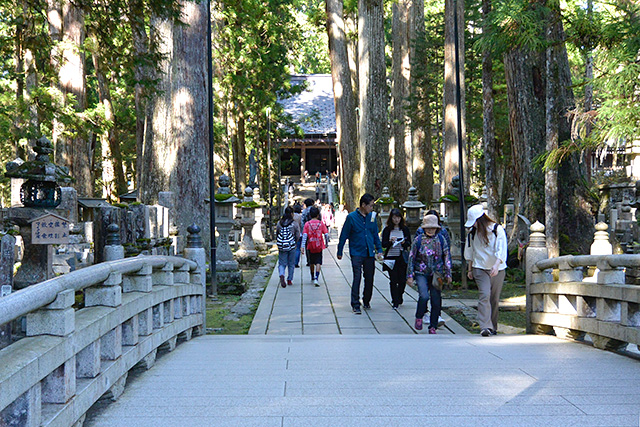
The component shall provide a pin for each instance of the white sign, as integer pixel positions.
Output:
(5, 290)
(49, 229)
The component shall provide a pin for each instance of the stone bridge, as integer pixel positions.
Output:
(309, 361)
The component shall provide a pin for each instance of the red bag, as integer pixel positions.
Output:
(315, 238)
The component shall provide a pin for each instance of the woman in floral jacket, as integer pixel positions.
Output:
(429, 254)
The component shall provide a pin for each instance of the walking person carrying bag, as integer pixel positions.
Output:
(396, 239)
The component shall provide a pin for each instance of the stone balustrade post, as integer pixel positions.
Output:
(57, 318)
(537, 251)
(196, 253)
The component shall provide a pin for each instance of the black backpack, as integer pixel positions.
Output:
(285, 239)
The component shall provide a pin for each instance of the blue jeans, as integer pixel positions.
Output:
(358, 265)
(287, 260)
(424, 290)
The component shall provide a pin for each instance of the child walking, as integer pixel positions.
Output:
(315, 236)
(287, 234)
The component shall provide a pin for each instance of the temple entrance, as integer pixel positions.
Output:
(321, 160)
(290, 161)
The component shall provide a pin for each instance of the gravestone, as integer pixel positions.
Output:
(7, 260)
(69, 204)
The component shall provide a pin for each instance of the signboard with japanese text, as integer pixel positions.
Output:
(49, 229)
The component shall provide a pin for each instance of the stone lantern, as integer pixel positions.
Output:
(247, 251)
(226, 266)
(413, 207)
(386, 203)
(39, 191)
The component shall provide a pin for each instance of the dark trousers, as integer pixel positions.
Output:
(361, 264)
(426, 289)
(398, 280)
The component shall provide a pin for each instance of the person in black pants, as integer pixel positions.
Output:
(396, 239)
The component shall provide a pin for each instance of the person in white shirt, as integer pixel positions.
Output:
(486, 255)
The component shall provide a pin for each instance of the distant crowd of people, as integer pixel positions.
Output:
(423, 260)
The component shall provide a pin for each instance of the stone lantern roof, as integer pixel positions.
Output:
(40, 169)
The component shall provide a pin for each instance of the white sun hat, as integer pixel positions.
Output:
(473, 214)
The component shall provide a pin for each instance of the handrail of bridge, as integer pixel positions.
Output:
(71, 358)
(563, 299)
(20, 303)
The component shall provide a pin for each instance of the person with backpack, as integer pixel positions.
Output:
(304, 217)
(429, 266)
(315, 236)
(287, 234)
(361, 229)
(486, 256)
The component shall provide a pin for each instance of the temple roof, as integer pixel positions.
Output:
(313, 109)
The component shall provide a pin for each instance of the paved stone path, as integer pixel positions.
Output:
(303, 309)
(309, 361)
(381, 380)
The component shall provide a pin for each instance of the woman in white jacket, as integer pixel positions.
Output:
(486, 255)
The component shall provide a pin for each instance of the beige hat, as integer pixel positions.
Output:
(430, 221)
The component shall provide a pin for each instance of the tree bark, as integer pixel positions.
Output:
(525, 78)
(345, 105)
(421, 160)
(491, 149)
(450, 130)
(552, 129)
(402, 153)
(372, 128)
(239, 152)
(75, 153)
(175, 143)
(141, 72)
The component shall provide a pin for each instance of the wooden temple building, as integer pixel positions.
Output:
(314, 111)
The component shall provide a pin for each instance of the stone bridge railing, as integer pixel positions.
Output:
(562, 300)
(72, 357)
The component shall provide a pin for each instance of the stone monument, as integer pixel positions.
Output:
(386, 203)
(40, 194)
(247, 252)
(412, 208)
(256, 232)
(227, 271)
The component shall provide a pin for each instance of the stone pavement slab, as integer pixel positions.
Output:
(380, 380)
(303, 307)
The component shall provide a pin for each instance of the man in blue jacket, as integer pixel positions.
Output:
(361, 229)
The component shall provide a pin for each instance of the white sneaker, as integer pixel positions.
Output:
(440, 321)
(315, 282)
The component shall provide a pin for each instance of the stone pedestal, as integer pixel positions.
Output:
(537, 251)
(37, 259)
(226, 266)
(256, 232)
(453, 225)
(7, 259)
(227, 271)
(247, 252)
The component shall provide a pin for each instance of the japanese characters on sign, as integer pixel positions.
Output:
(49, 230)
